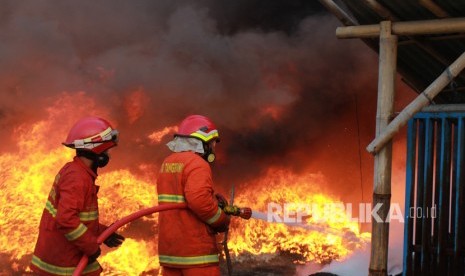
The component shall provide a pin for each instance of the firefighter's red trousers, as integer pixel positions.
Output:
(194, 271)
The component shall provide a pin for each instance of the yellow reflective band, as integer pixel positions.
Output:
(189, 260)
(205, 136)
(215, 217)
(171, 198)
(172, 167)
(83, 216)
(76, 233)
(62, 270)
(88, 216)
(49, 207)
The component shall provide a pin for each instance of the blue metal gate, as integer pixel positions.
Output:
(434, 233)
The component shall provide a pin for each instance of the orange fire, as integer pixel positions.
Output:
(156, 136)
(28, 172)
(314, 239)
(135, 104)
(25, 184)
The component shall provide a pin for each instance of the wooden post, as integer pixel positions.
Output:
(383, 160)
(387, 33)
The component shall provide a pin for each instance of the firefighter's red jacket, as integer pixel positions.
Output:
(69, 226)
(186, 237)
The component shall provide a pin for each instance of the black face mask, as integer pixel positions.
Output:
(98, 160)
(208, 154)
(102, 159)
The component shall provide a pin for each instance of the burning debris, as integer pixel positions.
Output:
(309, 240)
(24, 187)
(272, 91)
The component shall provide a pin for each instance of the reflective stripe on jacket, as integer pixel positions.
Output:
(69, 226)
(185, 236)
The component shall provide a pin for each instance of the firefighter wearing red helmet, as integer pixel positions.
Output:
(186, 239)
(69, 226)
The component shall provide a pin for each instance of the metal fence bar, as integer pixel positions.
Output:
(409, 194)
(419, 196)
(434, 236)
(437, 165)
(444, 186)
(427, 196)
(452, 198)
(459, 264)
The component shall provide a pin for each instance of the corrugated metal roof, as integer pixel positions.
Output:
(421, 59)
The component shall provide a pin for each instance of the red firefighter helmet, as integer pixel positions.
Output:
(199, 127)
(93, 134)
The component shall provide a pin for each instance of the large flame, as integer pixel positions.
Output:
(315, 238)
(25, 182)
(134, 258)
(28, 172)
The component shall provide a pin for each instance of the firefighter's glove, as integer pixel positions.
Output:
(223, 227)
(114, 240)
(92, 258)
(222, 201)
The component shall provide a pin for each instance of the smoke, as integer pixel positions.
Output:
(283, 91)
(273, 77)
(357, 264)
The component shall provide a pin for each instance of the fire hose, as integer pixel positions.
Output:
(112, 228)
(244, 213)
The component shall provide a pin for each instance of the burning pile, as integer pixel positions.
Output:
(314, 239)
(268, 84)
(26, 179)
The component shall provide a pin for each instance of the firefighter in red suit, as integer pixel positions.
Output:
(186, 240)
(69, 226)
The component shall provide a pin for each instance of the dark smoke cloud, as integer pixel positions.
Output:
(268, 16)
(235, 61)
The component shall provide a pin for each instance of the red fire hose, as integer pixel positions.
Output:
(112, 228)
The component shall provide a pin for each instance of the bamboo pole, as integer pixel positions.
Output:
(380, 9)
(421, 27)
(335, 9)
(434, 8)
(416, 105)
(383, 160)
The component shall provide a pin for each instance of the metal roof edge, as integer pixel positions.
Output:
(444, 108)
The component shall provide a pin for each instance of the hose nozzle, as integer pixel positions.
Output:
(246, 213)
(232, 210)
